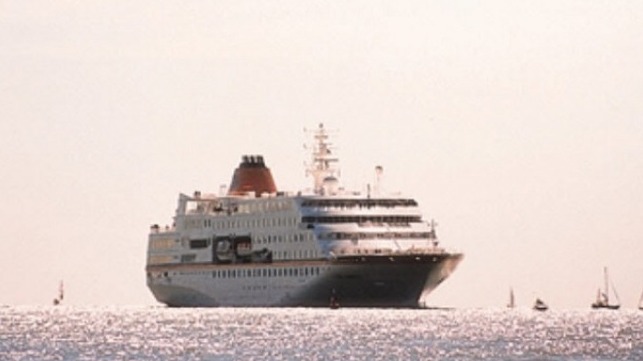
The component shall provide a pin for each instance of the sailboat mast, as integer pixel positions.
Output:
(512, 300)
(618, 300)
(606, 289)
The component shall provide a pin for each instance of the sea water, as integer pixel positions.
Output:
(159, 333)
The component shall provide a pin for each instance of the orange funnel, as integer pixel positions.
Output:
(252, 175)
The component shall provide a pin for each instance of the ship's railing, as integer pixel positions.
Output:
(156, 229)
(233, 205)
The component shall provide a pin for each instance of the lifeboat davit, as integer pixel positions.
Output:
(252, 175)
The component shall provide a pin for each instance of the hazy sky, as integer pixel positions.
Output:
(517, 125)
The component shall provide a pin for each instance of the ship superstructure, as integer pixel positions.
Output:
(257, 246)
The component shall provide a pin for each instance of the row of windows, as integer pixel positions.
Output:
(199, 243)
(291, 238)
(362, 219)
(297, 254)
(240, 223)
(297, 237)
(268, 272)
(389, 235)
(159, 259)
(361, 203)
(218, 206)
(370, 224)
(251, 273)
(192, 257)
(269, 206)
(161, 244)
(188, 258)
(261, 240)
(164, 243)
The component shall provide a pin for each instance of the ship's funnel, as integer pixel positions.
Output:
(252, 175)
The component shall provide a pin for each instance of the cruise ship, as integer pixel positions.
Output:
(252, 245)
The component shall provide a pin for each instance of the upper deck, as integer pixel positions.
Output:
(325, 220)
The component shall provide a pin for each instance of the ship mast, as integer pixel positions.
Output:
(322, 168)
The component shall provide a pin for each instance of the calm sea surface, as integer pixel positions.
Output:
(156, 333)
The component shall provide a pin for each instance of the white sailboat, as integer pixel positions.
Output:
(602, 297)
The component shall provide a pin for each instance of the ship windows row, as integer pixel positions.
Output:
(159, 259)
(297, 237)
(240, 223)
(386, 236)
(164, 243)
(274, 205)
(296, 254)
(205, 243)
(362, 219)
(361, 203)
(268, 272)
(228, 208)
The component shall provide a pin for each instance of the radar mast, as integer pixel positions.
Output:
(323, 166)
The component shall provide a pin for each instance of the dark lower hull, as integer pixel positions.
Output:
(377, 282)
(606, 307)
(370, 281)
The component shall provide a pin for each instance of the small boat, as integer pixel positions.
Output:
(602, 296)
(512, 299)
(641, 302)
(540, 305)
(61, 294)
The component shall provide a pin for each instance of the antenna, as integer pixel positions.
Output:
(432, 233)
(379, 172)
(322, 166)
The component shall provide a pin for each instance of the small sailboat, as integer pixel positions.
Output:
(641, 302)
(512, 299)
(540, 305)
(61, 294)
(602, 296)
